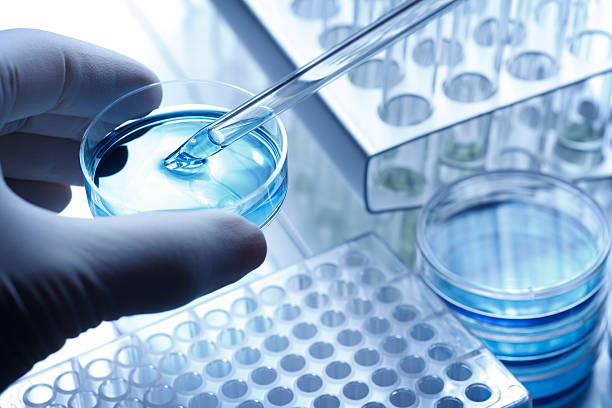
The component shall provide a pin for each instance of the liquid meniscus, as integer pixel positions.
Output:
(130, 176)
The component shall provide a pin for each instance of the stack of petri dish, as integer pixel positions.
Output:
(521, 258)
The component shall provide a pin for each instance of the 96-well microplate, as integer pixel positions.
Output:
(352, 327)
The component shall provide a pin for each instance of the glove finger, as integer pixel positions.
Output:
(40, 158)
(50, 196)
(49, 124)
(46, 72)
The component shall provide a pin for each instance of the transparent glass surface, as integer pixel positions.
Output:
(124, 147)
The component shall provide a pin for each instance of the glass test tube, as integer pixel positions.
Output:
(373, 72)
(585, 108)
(537, 54)
(463, 148)
(410, 72)
(520, 134)
(401, 171)
(475, 58)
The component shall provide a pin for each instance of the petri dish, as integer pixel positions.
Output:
(513, 244)
(123, 149)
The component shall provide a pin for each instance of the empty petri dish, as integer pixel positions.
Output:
(39, 395)
(385, 377)
(144, 376)
(99, 369)
(367, 357)
(478, 392)
(403, 398)
(287, 312)
(218, 369)
(243, 306)
(129, 356)
(377, 325)
(188, 383)
(355, 390)
(187, 331)
(430, 385)
(388, 294)
(449, 402)
(338, 370)
(343, 289)
(316, 300)
(173, 363)
(371, 276)
(548, 225)
(327, 271)
(440, 352)
(280, 396)
(292, 363)
(394, 344)
(124, 167)
(67, 383)
(304, 331)
(412, 365)
(231, 337)
(160, 395)
(349, 337)
(204, 400)
(83, 399)
(202, 349)
(264, 376)
(113, 389)
(234, 389)
(298, 283)
(272, 295)
(332, 318)
(247, 356)
(321, 350)
(159, 343)
(326, 401)
(260, 324)
(422, 332)
(276, 343)
(309, 383)
(217, 318)
(459, 372)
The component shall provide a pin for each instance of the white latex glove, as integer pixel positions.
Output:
(60, 276)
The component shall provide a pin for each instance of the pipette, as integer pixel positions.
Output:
(305, 81)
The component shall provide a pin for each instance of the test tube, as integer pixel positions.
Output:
(463, 148)
(473, 75)
(520, 134)
(410, 72)
(373, 72)
(581, 125)
(538, 55)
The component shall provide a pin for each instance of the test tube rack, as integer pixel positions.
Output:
(352, 327)
(358, 125)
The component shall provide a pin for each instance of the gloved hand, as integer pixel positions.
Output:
(60, 276)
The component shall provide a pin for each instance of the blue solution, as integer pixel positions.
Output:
(509, 250)
(130, 174)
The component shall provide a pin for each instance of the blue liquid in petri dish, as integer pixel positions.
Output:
(130, 175)
(514, 248)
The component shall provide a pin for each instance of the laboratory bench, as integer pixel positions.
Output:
(192, 39)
